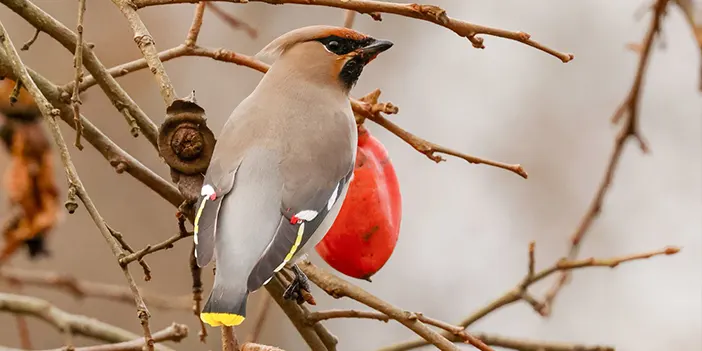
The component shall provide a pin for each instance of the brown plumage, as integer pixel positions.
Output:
(282, 163)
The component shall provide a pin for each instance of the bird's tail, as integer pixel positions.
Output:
(226, 304)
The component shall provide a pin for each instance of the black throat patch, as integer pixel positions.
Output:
(341, 46)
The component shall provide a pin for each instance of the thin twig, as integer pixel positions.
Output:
(149, 249)
(78, 65)
(31, 40)
(264, 306)
(430, 13)
(349, 16)
(119, 98)
(175, 332)
(128, 249)
(231, 20)
(50, 114)
(81, 289)
(229, 341)
(64, 321)
(23, 331)
(630, 130)
(337, 288)
(121, 160)
(194, 31)
(146, 44)
(517, 293)
(196, 306)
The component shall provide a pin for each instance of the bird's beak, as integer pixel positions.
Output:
(369, 52)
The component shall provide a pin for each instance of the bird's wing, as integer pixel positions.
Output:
(218, 182)
(306, 202)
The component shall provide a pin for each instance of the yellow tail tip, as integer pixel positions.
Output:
(218, 319)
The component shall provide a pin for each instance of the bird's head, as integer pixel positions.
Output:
(329, 54)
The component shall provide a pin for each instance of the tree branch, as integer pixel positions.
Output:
(429, 13)
(119, 159)
(629, 130)
(81, 289)
(66, 322)
(519, 292)
(337, 288)
(119, 98)
(50, 113)
(78, 65)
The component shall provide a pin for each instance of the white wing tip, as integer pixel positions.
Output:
(207, 190)
(307, 215)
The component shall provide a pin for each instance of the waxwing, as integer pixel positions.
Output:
(281, 166)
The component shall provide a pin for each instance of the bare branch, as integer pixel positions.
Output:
(116, 156)
(81, 289)
(349, 16)
(260, 320)
(231, 20)
(519, 292)
(31, 40)
(229, 341)
(195, 27)
(50, 114)
(297, 315)
(119, 98)
(63, 321)
(630, 130)
(175, 332)
(337, 288)
(78, 65)
(429, 13)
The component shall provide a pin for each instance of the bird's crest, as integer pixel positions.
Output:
(278, 46)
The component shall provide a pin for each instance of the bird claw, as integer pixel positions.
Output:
(299, 288)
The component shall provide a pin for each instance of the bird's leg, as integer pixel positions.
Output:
(298, 287)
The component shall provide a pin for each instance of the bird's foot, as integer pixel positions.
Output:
(299, 288)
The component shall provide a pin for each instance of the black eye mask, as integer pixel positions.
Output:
(342, 46)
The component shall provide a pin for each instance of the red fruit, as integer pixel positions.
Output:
(365, 232)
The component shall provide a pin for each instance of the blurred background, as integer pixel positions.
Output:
(465, 228)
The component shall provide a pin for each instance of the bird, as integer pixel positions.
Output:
(281, 166)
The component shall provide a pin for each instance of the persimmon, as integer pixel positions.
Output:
(364, 234)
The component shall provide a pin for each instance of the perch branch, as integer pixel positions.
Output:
(119, 98)
(630, 130)
(429, 13)
(337, 288)
(50, 113)
(296, 314)
(518, 293)
(229, 341)
(80, 289)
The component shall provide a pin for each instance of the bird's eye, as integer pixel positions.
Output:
(333, 46)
